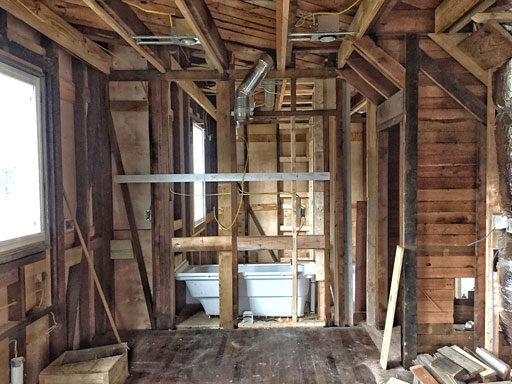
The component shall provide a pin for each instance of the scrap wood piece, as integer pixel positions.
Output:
(422, 375)
(442, 377)
(390, 315)
(459, 359)
(446, 367)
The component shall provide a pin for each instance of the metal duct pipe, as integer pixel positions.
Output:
(249, 84)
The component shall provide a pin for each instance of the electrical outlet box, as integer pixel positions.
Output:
(499, 221)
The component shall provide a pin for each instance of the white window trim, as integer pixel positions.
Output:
(15, 244)
(202, 219)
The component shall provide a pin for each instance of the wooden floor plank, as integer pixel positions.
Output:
(249, 355)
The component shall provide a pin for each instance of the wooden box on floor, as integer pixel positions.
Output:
(101, 365)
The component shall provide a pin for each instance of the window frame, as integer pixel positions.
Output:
(198, 125)
(15, 248)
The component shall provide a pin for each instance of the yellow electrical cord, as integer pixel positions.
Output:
(336, 13)
(170, 14)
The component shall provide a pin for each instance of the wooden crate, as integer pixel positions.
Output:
(101, 365)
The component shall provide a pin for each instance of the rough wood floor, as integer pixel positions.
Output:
(286, 355)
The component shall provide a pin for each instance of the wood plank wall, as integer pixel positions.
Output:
(447, 182)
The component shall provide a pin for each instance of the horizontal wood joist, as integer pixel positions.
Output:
(452, 87)
(246, 243)
(43, 19)
(214, 75)
(220, 177)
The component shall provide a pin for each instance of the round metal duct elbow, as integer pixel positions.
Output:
(249, 84)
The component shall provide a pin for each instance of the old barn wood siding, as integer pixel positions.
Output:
(447, 191)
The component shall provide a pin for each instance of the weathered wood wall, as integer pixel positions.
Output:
(447, 183)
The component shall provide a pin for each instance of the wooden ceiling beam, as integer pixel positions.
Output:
(381, 60)
(500, 17)
(230, 74)
(452, 87)
(120, 17)
(449, 42)
(384, 12)
(364, 69)
(469, 15)
(450, 11)
(43, 19)
(282, 16)
(363, 18)
(361, 85)
(127, 24)
(198, 16)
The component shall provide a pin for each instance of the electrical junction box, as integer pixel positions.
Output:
(499, 221)
(327, 23)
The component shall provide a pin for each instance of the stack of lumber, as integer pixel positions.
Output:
(454, 365)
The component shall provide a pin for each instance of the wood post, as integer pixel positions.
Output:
(372, 190)
(83, 121)
(337, 211)
(58, 339)
(227, 206)
(162, 216)
(295, 219)
(360, 285)
(408, 194)
(348, 279)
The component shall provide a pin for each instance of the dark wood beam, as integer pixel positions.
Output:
(162, 216)
(308, 113)
(213, 75)
(199, 18)
(408, 203)
(452, 87)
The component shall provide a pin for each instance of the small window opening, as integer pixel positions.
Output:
(22, 218)
(198, 142)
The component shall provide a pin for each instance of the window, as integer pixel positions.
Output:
(198, 141)
(22, 213)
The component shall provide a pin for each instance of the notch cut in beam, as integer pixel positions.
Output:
(221, 177)
(457, 91)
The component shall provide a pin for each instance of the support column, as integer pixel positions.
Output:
(227, 206)
(372, 189)
(162, 211)
(408, 203)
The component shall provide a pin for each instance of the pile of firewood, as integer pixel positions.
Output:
(455, 365)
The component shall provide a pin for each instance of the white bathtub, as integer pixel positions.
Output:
(264, 289)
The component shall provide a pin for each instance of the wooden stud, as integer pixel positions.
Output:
(295, 266)
(337, 208)
(226, 159)
(408, 204)
(361, 241)
(161, 209)
(58, 339)
(282, 15)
